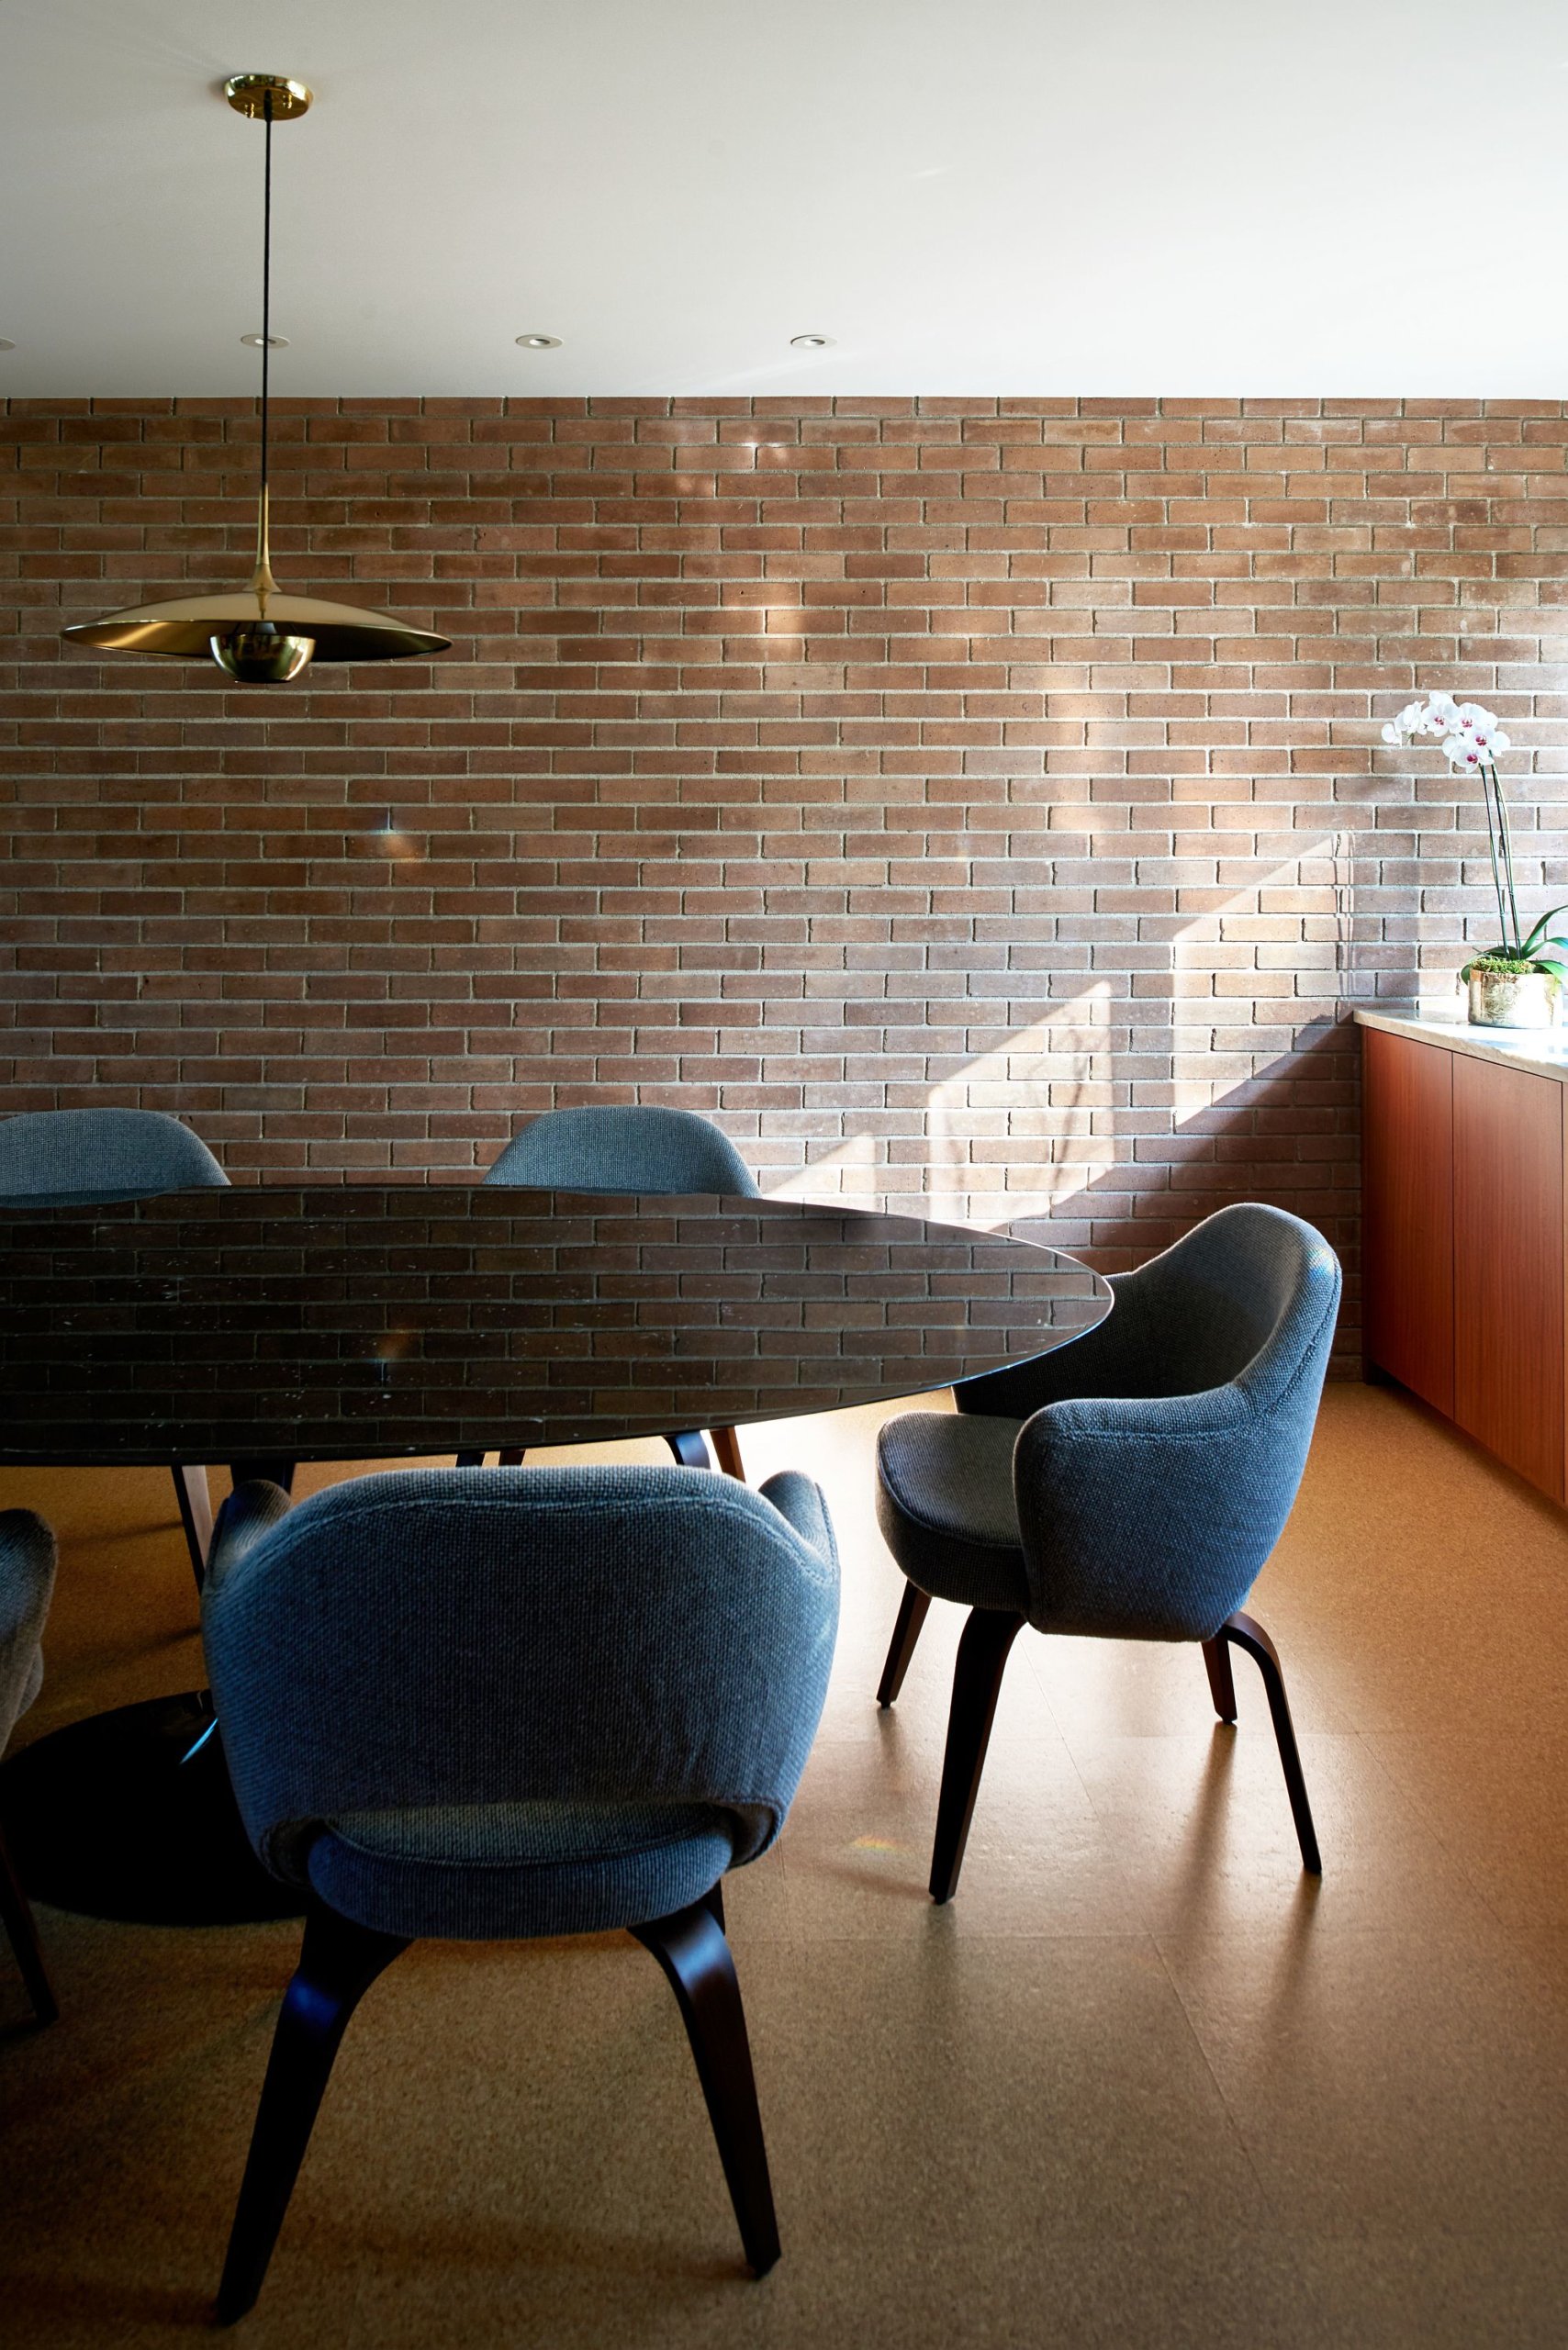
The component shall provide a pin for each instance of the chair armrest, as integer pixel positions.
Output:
(26, 1581)
(250, 1511)
(803, 1505)
(1150, 1518)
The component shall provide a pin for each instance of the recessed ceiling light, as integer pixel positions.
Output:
(270, 342)
(538, 341)
(810, 341)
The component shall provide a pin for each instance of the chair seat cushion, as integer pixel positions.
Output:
(506, 1871)
(944, 1506)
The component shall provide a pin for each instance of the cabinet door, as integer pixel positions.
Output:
(1407, 1211)
(1508, 1247)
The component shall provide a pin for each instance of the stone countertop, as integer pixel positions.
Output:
(1544, 1051)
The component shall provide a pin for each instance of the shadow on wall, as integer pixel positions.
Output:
(1289, 1137)
(1287, 1134)
(1216, 1060)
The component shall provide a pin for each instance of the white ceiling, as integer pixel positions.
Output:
(1337, 196)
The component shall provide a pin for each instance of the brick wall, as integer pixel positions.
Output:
(979, 799)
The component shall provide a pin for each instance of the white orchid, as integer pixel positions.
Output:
(1400, 729)
(1435, 716)
(1463, 751)
(1479, 726)
(1472, 740)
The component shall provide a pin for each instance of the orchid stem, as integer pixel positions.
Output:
(1492, 851)
(1503, 828)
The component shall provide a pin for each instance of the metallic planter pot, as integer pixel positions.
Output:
(1514, 999)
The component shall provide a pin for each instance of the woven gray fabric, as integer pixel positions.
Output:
(946, 1508)
(802, 1502)
(64, 1158)
(634, 1148)
(1192, 1318)
(504, 1899)
(620, 1669)
(1147, 1505)
(26, 1584)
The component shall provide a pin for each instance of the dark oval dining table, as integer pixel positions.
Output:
(357, 1321)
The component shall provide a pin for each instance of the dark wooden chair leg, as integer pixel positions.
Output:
(912, 1609)
(15, 1913)
(714, 1900)
(470, 1459)
(976, 1682)
(1222, 1682)
(689, 1447)
(195, 1499)
(691, 1949)
(337, 1966)
(512, 1457)
(727, 1452)
(1245, 1632)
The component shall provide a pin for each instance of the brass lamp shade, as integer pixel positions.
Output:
(184, 629)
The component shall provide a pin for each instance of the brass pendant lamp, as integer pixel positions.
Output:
(259, 637)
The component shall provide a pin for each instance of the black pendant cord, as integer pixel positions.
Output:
(266, 280)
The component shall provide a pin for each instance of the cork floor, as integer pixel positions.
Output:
(1141, 2084)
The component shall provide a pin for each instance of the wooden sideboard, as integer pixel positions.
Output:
(1462, 1233)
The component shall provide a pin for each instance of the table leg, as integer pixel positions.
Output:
(195, 1516)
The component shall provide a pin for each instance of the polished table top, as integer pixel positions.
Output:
(353, 1321)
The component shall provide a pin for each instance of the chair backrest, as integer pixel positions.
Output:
(1147, 1511)
(52, 1157)
(26, 1582)
(609, 1637)
(634, 1148)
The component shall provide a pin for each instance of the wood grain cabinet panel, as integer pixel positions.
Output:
(1509, 1266)
(1407, 1212)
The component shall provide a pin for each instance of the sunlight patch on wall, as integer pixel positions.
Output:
(849, 1172)
(1116, 1076)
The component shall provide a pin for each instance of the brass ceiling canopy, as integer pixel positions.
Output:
(258, 636)
(248, 93)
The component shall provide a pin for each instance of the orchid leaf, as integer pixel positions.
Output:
(1539, 933)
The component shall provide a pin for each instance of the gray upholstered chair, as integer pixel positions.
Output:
(52, 1159)
(632, 1148)
(507, 1703)
(55, 1158)
(1128, 1486)
(27, 1582)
